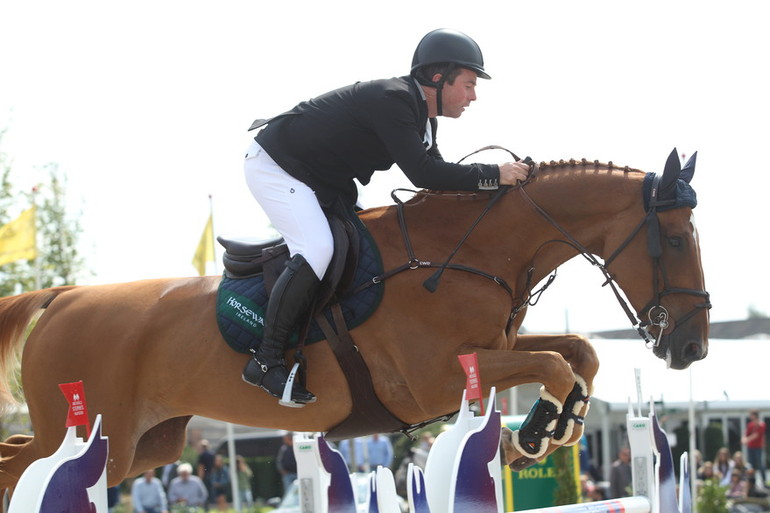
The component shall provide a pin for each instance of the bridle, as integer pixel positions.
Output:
(657, 315)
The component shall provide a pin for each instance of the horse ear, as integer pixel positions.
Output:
(671, 171)
(689, 169)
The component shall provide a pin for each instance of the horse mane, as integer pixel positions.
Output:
(585, 163)
(553, 165)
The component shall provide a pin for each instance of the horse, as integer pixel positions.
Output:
(151, 356)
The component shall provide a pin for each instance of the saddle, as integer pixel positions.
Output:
(346, 279)
(246, 260)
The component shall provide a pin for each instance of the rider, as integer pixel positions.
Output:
(304, 161)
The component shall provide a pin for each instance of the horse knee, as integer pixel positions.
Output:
(583, 358)
(559, 377)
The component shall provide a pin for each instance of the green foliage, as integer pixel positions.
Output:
(58, 262)
(566, 491)
(57, 233)
(714, 439)
(712, 498)
(403, 445)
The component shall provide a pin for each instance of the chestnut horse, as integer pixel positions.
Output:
(151, 356)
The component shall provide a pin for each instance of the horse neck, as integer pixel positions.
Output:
(597, 206)
(589, 203)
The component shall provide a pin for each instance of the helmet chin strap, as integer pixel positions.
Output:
(439, 86)
(440, 90)
(439, 94)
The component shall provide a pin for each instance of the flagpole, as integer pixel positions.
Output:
(228, 425)
(213, 238)
(38, 271)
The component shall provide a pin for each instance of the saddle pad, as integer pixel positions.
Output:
(241, 303)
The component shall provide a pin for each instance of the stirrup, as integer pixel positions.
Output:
(286, 399)
(260, 374)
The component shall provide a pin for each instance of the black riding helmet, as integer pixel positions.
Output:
(447, 46)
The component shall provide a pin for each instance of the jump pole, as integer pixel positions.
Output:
(625, 505)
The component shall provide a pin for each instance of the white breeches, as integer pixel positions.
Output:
(292, 208)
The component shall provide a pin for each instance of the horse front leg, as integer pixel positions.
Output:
(583, 361)
(506, 369)
(582, 358)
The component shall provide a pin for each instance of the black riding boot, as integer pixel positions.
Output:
(292, 295)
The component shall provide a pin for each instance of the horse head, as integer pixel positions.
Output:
(674, 312)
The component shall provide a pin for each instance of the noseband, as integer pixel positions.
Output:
(656, 313)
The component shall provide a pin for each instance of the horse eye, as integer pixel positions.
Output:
(675, 242)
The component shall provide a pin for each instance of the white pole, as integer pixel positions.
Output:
(693, 468)
(513, 401)
(233, 468)
(38, 267)
(606, 433)
(230, 432)
(628, 505)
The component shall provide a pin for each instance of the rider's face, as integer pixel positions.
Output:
(459, 95)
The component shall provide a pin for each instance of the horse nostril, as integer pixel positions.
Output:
(693, 352)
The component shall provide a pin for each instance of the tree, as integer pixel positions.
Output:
(712, 497)
(58, 233)
(566, 491)
(58, 262)
(755, 313)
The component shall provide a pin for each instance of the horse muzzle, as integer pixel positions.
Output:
(680, 350)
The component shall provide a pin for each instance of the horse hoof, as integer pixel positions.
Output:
(522, 463)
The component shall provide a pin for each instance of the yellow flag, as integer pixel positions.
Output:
(205, 251)
(18, 239)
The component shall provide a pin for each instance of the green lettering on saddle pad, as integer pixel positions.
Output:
(241, 319)
(243, 311)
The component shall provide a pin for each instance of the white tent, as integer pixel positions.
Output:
(732, 371)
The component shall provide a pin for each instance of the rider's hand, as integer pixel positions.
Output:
(513, 172)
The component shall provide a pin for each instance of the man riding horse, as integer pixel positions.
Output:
(303, 162)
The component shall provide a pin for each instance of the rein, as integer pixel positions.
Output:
(415, 263)
(431, 284)
(657, 314)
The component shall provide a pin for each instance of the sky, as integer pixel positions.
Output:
(144, 107)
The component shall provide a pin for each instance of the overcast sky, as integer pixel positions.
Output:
(144, 105)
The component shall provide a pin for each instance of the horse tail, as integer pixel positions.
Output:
(16, 313)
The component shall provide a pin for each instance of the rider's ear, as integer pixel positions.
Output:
(436, 78)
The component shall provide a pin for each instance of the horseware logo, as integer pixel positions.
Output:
(244, 312)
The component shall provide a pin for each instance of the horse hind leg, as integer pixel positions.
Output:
(16, 454)
(161, 444)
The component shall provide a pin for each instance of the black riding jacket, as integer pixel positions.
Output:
(356, 130)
